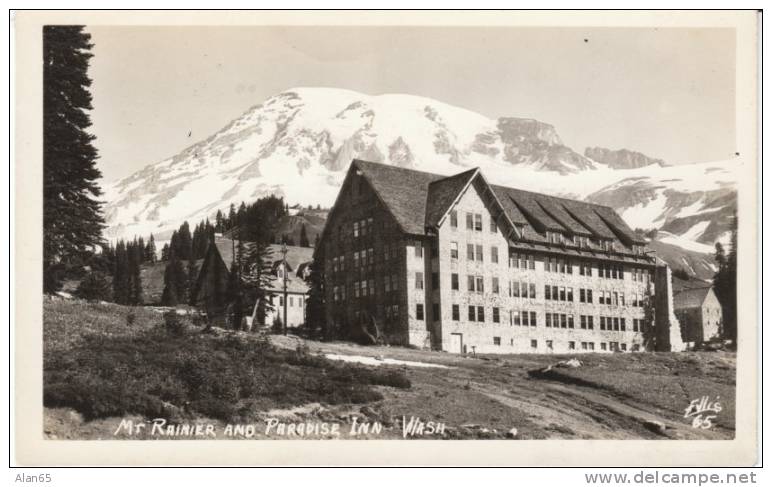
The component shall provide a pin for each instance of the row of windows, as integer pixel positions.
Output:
(474, 221)
(363, 227)
(291, 299)
(587, 346)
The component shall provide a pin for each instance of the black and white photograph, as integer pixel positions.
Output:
(391, 232)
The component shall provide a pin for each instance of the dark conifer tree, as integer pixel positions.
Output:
(192, 279)
(725, 284)
(150, 250)
(304, 237)
(72, 215)
(315, 318)
(165, 250)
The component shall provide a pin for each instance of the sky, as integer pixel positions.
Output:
(669, 93)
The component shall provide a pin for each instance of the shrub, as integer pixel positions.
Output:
(173, 324)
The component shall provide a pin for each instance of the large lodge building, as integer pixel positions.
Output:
(458, 264)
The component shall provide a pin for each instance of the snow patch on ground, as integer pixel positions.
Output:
(361, 359)
(684, 243)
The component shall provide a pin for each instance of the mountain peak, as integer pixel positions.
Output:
(621, 159)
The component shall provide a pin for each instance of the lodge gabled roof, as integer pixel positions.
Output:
(296, 258)
(419, 200)
(691, 297)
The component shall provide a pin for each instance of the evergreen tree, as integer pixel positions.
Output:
(165, 252)
(122, 274)
(192, 279)
(218, 222)
(315, 312)
(95, 286)
(150, 250)
(231, 217)
(304, 237)
(136, 253)
(235, 296)
(258, 275)
(725, 284)
(175, 282)
(72, 214)
(184, 242)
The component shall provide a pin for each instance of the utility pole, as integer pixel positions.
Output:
(284, 275)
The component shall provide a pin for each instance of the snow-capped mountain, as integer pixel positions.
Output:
(299, 143)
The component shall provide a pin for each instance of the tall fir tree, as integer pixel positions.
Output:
(72, 214)
(315, 312)
(150, 250)
(304, 237)
(725, 284)
(192, 279)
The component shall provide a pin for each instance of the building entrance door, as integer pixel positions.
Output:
(456, 342)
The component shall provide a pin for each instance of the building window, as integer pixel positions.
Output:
(469, 251)
(562, 294)
(616, 324)
(603, 323)
(470, 283)
(570, 321)
(534, 344)
(624, 347)
(480, 285)
(453, 219)
(572, 345)
(533, 318)
(496, 318)
(514, 318)
(495, 285)
(281, 300)
(356, 229)
(371, 282)
(478, 225)
(591, 345)
(454, 250)
(419, 280)
(547, 293)
(436, 312)
(456, 313)
(454, 282)
(622, 324)
(603, 346)
(435, 280)
(386, 284)
(548, 320)
(563, 321)
(472, 313)
(531, 262)
(532, 291)
(497, 341)
(419, 249)
(481, 314)
(469, 221)
(589, 296)
(479, 252)
(570, 294)
(589, 323)
(495, 255)
(583, 322)
(419, 312)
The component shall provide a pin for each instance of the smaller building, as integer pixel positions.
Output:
(212, 283)
(699, 312)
